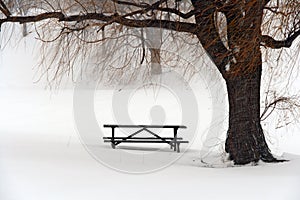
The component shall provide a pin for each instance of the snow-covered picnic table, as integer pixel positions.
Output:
(174, 141)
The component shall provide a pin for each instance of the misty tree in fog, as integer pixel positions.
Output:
(232, 33)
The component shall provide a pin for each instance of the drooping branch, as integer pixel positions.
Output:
(115, 18)
(165, 24)
(177, 12)
(156, 6)
(208, 35)
(125, 19)
(126, 3)
(270, 42)
(140, 5)
(266, 2)
(4, 9)
(276, 12)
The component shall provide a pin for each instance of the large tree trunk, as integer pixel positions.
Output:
(245, 141)
(155, 61)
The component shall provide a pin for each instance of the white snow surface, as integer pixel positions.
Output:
(43, 157)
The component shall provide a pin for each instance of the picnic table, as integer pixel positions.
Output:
(174, 141)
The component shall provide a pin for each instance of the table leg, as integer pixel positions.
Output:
(113, 137)
(175, 138)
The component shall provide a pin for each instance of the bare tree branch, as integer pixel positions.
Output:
(209, 36)
(272, 107)
(4, 9)
(170, 25)
(177, 12)
(277, 12)
(268, 41)
(156, 5)
(141, 5)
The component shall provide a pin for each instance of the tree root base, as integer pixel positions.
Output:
(246, 147)
(275, 160)
(269, 159)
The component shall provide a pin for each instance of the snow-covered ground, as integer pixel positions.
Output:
(44, 155)
(43, 158)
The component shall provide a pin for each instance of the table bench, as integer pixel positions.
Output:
(174, 141)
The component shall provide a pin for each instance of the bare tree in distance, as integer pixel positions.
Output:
(233, 34)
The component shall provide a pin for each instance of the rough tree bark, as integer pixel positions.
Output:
(245, 141)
